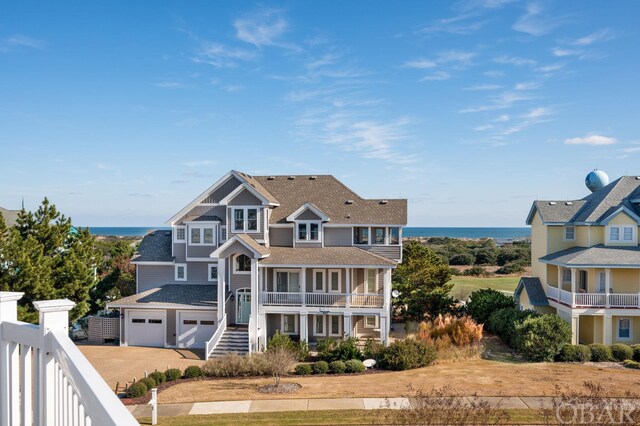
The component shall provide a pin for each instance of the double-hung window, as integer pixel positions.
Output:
(202, 235)
(245, 219)
(624, 328)
(371, 321)
(627, 233)
(212, 272)
(372, 281)
(614, 233)
(335, 278)
(319, 325)
(307, 231)
(289, 324)
(180, 272)
(334, 325)
(569, 233)
(318, 281)
(179, 234)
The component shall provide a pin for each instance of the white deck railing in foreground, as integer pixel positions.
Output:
(44, 378)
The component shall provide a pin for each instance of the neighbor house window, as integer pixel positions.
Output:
(212, 274)
(334, 325)
(287, 282)
(242, 264)
(245, 219)
(289, 324)
(371, 321)
(318, 325)
(627, 234)
(180, 234)
(308, 231)
(372, 280)
(201, 235)
(602, 282)
(361, 235)
(318, 280)
(335, 280)
(394, 235)
(624, 328)
(195, 236)
(614, 233)
(378, 235)
(181, 272)
(569, 233)
(566, 275)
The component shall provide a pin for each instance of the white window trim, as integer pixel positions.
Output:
(366, 281)
(324, 325)
(329, 323)
(287, 271)
(175, 234)
(234, 265)
(376, 323)
(328, 280)
(308, 225)
(209, 267)
(564, 233)
(245, 220)
(201, 228)
(630, 329)
(324, 281)
(621, 240)
(295, 324)
(175, 271)
(387, 236)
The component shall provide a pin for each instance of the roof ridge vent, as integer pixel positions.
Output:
(569, 203)
(291, 177)
(349, 202)
(384, 201)
(271, 178)
(552, 203)
(637, 177)
(313, 177)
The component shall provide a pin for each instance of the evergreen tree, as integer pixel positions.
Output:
(45, 257)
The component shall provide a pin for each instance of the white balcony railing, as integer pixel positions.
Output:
(44, 378)
(594, 300)
(339, 300)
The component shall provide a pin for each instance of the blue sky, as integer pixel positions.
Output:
(122, 112)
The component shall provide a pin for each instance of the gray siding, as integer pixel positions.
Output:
(392, 252)
(240, 281)
(337, 237)
(236, 248)
(179, 251)
(281, 237)
(307, 215)
(224, 190)
(308, 244)
(361, 331)
(152, 276)
(245, 198)
(171, 327)
(200, 251)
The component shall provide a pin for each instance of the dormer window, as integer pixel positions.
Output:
(245, 219)
(307, 231)
(569, 233)
(626, 234)
(202, 235)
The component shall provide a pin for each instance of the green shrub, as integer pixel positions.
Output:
(136, 390)
(234, 365)
(158, 376)
(148, 382)
(511, 268)
(621, 352)
(600, 352)
(503, 324)
(373, 349)
(280, 340)
(407, 354)
(192, 372)
(636, 352)
(320, 367)
(354, 366)
(475, 271)
(574, 353)
(631, 364)
(346, 349)
(173, 374)
(304, 369)
(337, 367)
(541, 337)
(325, 348)
(462, 259)
(482, 303)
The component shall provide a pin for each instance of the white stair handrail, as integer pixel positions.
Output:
(215, 339)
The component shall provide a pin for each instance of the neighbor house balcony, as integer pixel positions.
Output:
(593, 300)
(337, 300)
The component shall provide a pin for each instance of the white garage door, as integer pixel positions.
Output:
(146, 328)
(195, 328)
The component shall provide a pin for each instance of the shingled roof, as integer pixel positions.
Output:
(177, 295)
(324, 256)
(596, 256)
(341, 204)
(534, 289)
(595, 207)
(155, 247)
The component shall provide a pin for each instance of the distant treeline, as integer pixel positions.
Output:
(511, 257)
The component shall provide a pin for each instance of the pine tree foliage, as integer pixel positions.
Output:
(45, 257)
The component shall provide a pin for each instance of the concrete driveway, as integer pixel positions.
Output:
(121, 364)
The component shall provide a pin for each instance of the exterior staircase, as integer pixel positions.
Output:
(234, 339)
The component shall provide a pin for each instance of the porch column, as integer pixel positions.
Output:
(9, 386)
(255, 295)
(607, 286)
(304, 326)
(347, 287)
(384, 330)
(346, 324)
(303, 287)
(575, 329)
(387, 289)
(574, 282)
(607, 325)
(222, 285)
(560, 279)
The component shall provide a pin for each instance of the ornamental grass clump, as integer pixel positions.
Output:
(447, 330)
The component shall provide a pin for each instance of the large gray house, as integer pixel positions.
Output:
(254, 254)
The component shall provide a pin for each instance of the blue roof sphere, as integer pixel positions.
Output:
(596, 180)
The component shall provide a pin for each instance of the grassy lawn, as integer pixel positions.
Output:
(337, 417)
(463, 286)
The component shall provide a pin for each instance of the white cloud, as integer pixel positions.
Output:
(531, 85)
(482, 87)
(436, 76)
(514, 60)
(591, 139)
(261, 28)
(420, 64)
(458, 56)
(534, 22)
(537, 113)
(502, 118)
(466, 23)
(600, 35)
(561, 52)
(495, 73)
(502, 101)
(19, 40)
(170, 85)
(484, 127)
(220, 56)
(549, 69)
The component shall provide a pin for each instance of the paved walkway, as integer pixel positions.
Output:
(272, 405)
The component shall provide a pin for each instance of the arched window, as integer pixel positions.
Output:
(242, 264)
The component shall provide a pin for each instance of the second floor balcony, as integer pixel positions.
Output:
(594, 300)
(338, 300)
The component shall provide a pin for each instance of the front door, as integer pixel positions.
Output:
(244, 306)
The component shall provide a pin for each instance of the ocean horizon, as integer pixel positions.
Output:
(497, 233)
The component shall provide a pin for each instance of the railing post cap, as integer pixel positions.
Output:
(59, 305)
(10, 296)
